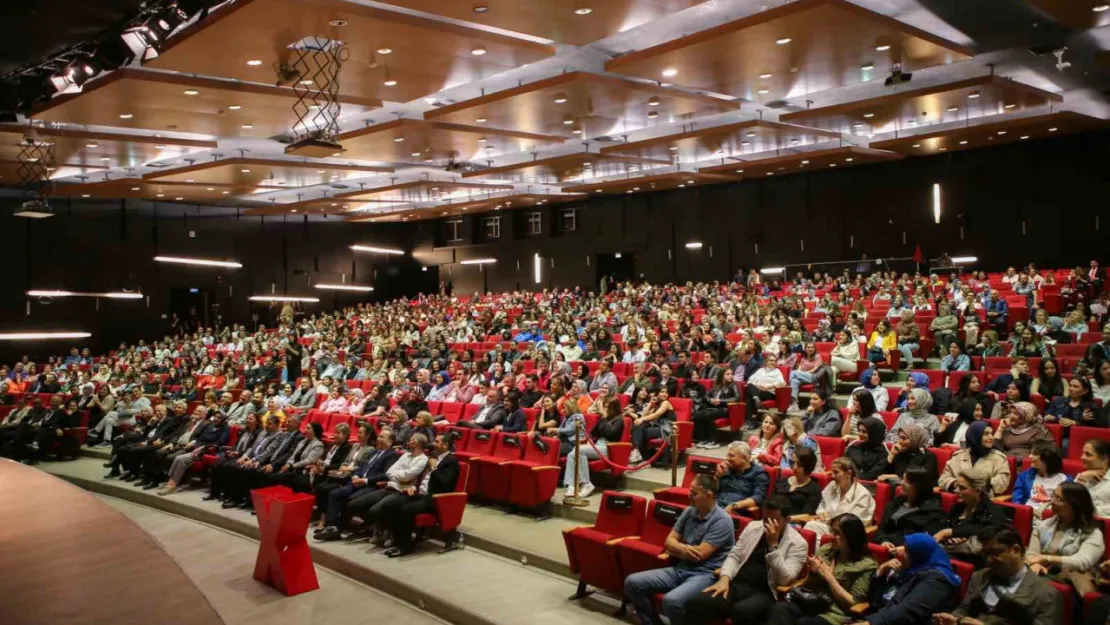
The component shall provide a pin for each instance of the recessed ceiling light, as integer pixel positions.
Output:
(628, 191)
(765, 76)
(389, 82)
(337, 23)
(689, 182)
(669, 72)
(568, 120)
(673, 148)
(1052, 129)
(482, 139)
(739, 171)
(178, 199)
(745, 143)
(751, 133)
(560, 98)
(805, 162)
(868, 115)
(578, 131)
(225, 192)
(944, 149)
(583, 11)
(191, 92)
(953, 109)
(85, 195)
(481, 8)
(321, 171)
(681, 186)
(254, 62)
(481, 120)
(653, 114)
(247, 126)
(398, 139)
(160, 146)
(125, 115)
(867, 66)
(964, 142)
(635, 188)
(478, 51)
(653, 101)
(91, 146)
(105, 158)
(1024, 136)
(190, 180)
(1099, 8)
(832, 164)
(849, 160)
(235, 107)
(783, 41)
(161, 195)
(244, 171)
(416, 153)
(917, 145)
(883, 48)
(973, 95)
(134, 188)
(210, 189)
(770, 173)
(1001, 132)
(763, 91)
(385, 50)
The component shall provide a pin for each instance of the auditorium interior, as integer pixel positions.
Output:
(491, 312)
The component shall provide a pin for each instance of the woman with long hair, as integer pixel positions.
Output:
(714, 406)
(917, 509)
(1068, 546)
(1077, 408)
(1035, 485)
(1096, 462)
(1048, 382)
(766, 445)
(608, 429)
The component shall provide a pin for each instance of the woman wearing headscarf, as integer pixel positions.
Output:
(868, 451)
(871, 382)
(916, 583)
(577, 400)
(916, 379)
(953, 430)
(909, 451)
(979, 455)
(442, 385)
(918, 401)
(1021, 430)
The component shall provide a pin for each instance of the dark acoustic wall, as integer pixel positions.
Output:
(1037, 201)
(108, 246)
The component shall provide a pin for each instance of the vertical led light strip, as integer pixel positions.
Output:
(936, 202)
(537, 268)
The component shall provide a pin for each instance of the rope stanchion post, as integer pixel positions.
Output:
(576, 500)
(674, 457)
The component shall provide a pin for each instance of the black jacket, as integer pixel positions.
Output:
(375, 467)
(928, 518)
(987, 515)
(914, 601)
(516, 422)
(212, 434)
(445, 476)
(341, 451)
(286, 449)
(61, 420)
(910, 459)
(871, 461)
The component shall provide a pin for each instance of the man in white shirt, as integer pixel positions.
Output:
(634, 353)
(762, 385)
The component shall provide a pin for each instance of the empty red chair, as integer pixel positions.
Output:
(449, 511)
(646, 552)
(1021, 518)
(883, 493)
(316, 416)
(591, 556)
(695, 465)
(451, 411)
(532, 480)
(478, 443)
(832, 447)
(490, 481)
(943, 455)
(1078, 437)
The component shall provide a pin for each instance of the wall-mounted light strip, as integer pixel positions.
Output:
(963, 260)
(936, 202)
(772, 270)
(205, 262)
(376, 250)
(55, 293)
(537, 268)
(479, 261)
(694, 245)
(282, 298)
(344, 287)
(42, 336)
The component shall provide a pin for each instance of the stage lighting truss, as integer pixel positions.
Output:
(36, 163)
(317, 61)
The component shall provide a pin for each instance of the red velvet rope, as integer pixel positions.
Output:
(613, 465)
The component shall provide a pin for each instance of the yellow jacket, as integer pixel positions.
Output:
(886, 343)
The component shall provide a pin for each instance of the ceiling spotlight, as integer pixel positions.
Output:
(105, 158)
(882, 48)
(1099, 8)
(867, 66)
(191, 92)
(134, 188)
(849, 160)
(560, 98)
(568, 120)
(481, 120)
(953, 109)
(1024, 136)
(91, 146)
(669, 72)
(578, 131)
(1052, 129)
(399, 140)
(964, 142)
(689, 182)
(337, 23)
(973, 95)
(178, 198)
(763, 91)
(210, 189)
(751, 133)
(482, 139)
(125, 115)
(783, 41)
(673, 148)
(745, 143)
(1001, 132)
(583, 11)
(832, 164)
(160, 146)
(244, 171)
(1010, 106)
(385, 50)
(478, 51)
(653, 101)
(803, 163)
(235, 107)
(247, 126)
(917, 145)
(653, 114)
(254, 62)
(481, 8)
(765, 76)
(161, 195)
(85, 195)
(868, 115)
(389, 82)
(225, 192)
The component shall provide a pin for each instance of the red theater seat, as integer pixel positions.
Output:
(533, 479)
(645, 552)
(490, 481)
(695, 465)
(592, 558)
(449, 511)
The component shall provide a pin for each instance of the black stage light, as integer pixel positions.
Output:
(80, 70)
(112, 52)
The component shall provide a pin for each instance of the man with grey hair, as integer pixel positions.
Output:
(238, 412)
(124, 414)
(742, 483)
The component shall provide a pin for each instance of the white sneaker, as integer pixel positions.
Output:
(635, 458)
(584, 490)
(570, 491)
(700, 444)
(712, 445)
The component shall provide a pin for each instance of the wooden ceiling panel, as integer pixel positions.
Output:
(725, 141)
(257, 172)
(418, 141)
(913, 109)
(425, 56)
(463, 207)
(87, 150)
(791, 50)
(407, 193)
(797, 162)
(652, 182)
(991, 134)
(594, 104)
(138, 189)
(135, 98)
(564, 21)
(1075, 14)
(556, 169)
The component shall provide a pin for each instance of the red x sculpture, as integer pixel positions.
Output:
(284, 561)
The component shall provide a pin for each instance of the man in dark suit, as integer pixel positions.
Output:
(257, 478)
(364, 480)
(222, 471)
(52, 429)
(241, 478)
(441, 476)
(490, 416)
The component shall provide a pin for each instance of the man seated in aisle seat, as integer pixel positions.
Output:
(697, 544)
(491, 415)
(742, 484)
(767, 554)
(997, 310)
(364, 480)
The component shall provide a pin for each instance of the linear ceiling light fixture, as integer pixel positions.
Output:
(377, 250)
(479, 261)
(344, 287)
(40, 336)
(282, 298)
(206, 262)
(58, 293)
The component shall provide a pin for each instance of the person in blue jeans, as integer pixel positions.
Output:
(698, 543)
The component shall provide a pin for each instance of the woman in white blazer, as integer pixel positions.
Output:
(844, 494)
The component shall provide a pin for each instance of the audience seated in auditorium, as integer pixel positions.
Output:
(979, 454)
(916, 509)
(1034, 486)
(1068, 546)
(742, 483)
(972, 514)
(843, 495)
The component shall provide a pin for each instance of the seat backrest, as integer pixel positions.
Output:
(464, 475)
(336, 419)
(481, 442)
(533, 453)
(620, 514)
(947, 500)
(660, 520)
(1078, 437)
(697, 465)
(1021, 518)
(889, 418)
(936, 377)
(965, 571)
(883, 493)
(832, 447)
(509, 446)
(451, 411)
(943, 455)
(470, 410)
